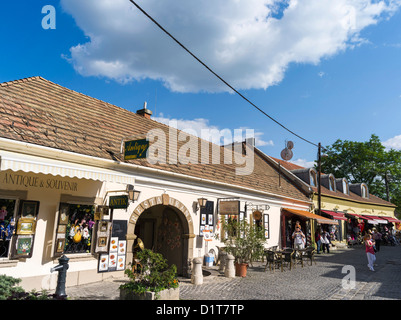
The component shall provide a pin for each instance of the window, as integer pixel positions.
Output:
(75, 226)
(312, 175)
(332, 186)
(7, 225)
(345, 186)
(364, 191)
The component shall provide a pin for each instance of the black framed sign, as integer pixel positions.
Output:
(207, 218)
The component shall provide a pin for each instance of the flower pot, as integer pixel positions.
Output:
(241, 269)
(167, 294)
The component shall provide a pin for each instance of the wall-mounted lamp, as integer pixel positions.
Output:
(133, 194)
(202, 202)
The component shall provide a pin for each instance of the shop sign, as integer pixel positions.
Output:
(118, 202)
(37, 182)
(135, 149)
(229, 207)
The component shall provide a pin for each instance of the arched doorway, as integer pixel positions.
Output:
(162, 230)
(165, 226)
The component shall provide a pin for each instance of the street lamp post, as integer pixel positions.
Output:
(319, 173)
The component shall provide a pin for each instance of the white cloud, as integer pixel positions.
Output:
(242, 40)
(304, 163)
(393, 143)
(201, 128)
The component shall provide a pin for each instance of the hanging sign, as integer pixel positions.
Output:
(135, 149)
(118, 202)
(229, 207)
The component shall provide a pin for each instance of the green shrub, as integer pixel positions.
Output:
(154, 274)
(10, 291)
(8, 286)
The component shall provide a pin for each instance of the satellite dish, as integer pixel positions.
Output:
(290, 145)
(286, 154)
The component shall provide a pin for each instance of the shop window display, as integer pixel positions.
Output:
(7, 225)
(74, 232)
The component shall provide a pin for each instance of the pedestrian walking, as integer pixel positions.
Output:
(370, 252)
(324, 238)
(318, 241)
(377, 237)
(299, 238)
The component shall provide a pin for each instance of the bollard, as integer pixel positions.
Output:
(197, 275)
(62, 276)
(222, 265)
(230, 269)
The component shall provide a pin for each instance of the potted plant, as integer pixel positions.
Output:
(244, 241)
(152, 279)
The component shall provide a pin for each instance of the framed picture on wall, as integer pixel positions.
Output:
(60, 245)
(29, 209)
(62, 228)
(63, 216)
(26, 226)
(23, 247)
(102, 242)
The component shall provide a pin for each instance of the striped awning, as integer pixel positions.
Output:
(28, 163)
(391, 219)
(374, 219)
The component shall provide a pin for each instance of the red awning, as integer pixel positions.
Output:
(374, 219)
(391, 219)
(356, 215)
(335, 215)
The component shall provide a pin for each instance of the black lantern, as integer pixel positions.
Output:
(202, 202)
(133, 194)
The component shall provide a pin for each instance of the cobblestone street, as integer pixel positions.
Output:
(323, 281)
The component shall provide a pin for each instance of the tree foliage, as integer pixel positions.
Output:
(367, 162)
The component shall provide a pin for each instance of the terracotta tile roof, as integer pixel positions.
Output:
(352, 196)
(38, 111)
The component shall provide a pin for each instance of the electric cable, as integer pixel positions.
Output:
(215, 74)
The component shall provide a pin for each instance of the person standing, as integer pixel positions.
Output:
(370, 252)
(299, 238)
(377, 237)
(318, 241)
(324, 238)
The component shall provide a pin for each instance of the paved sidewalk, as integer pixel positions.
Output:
(323, 281)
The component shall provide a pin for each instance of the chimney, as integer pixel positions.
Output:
(144, 112)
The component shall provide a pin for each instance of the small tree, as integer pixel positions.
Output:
(244, 241)
(154, 274)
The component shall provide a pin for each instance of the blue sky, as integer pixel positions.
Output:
(326, 70)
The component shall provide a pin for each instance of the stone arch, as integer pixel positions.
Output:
(170, 202)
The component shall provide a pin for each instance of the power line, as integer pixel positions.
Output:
(220, 78)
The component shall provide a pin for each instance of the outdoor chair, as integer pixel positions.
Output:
(286, 258)
(272, 259)
(309, 253)
(298, 257)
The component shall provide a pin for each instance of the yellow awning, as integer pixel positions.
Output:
(311, 215)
